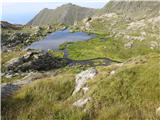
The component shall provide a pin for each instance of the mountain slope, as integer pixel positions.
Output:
(67, 14)
(127, 34)
(138, 9)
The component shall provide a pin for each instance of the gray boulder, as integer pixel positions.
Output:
(154, 45)
(81, 102)
(83, 77)
(158, 112)
(129, 44)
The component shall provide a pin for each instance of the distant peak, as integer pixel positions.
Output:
(45, 9)
(69, 4)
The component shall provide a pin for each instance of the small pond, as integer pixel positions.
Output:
(53, 40)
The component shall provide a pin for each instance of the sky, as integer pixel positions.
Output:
(22, 11)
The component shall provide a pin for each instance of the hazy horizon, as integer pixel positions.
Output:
(23, 12)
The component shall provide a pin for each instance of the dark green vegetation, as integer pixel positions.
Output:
(120, 91)
(106, 48)
(67, 14)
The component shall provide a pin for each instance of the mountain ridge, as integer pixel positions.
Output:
(136, 9)
(66, 14)
(70, 13)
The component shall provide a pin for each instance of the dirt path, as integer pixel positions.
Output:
(8, 89)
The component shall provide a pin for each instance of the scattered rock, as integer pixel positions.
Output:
(8, 75)
(2, 74)
(81, 102)
(14, 39)
(158, 112)
(153, 45)
(140, 38)
(143, 33)
(82, 78)
(110, 15)
(87, 19)
(112, 72)
(129, 44)
(82, 28)
(87, 25)
(154, 20)
(4, 49)
(85, 89)
(119, 64)
(75, 23)
(15, 61)
(136, 25)
(49, 27)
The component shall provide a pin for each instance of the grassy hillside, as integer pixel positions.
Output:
(107, 48)
(132, 92)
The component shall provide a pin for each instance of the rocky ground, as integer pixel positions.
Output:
(144, 30)
(18, 37)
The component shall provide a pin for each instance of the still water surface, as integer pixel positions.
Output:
(53, 40)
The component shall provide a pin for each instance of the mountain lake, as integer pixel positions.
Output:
(53, 40)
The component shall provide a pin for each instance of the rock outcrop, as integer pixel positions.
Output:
(82, 78)
(158, 112)
(81, 102)
(20, 36)
(34, 61)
